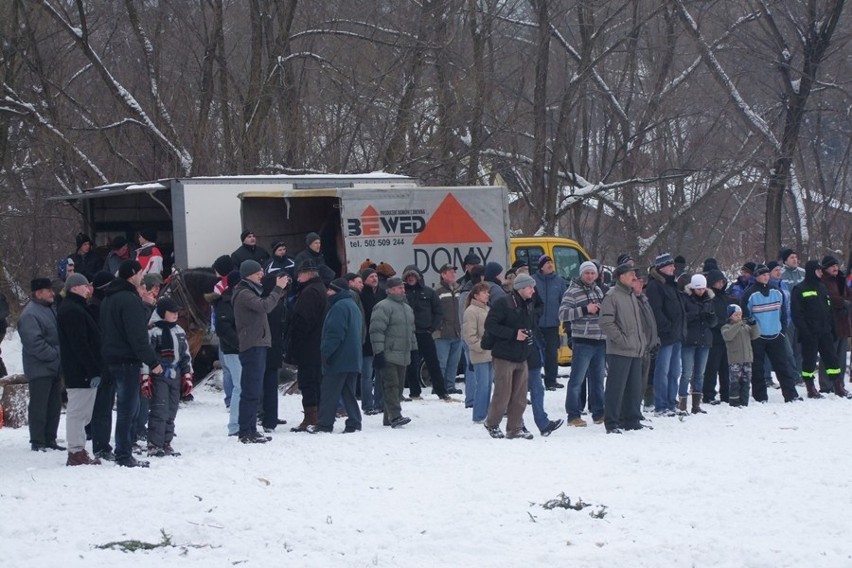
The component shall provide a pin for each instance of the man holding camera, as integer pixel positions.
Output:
(511, 323)
(765, 305)
(580, 309)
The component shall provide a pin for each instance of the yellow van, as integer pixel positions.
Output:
(567, 255)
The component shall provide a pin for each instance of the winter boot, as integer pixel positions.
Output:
(839, 389)
(310, 419)
(696, 403)
(681, 405)
(81, 458)
(811, 388)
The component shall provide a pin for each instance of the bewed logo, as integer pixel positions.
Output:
(451, 224)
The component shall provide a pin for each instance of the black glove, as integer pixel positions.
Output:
(749, 321)
(379, 361)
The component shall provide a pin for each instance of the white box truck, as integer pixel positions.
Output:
(422, 226)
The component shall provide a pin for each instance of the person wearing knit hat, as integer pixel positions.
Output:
(716, 371)
(663, 260)
(75, 280)
(841, 306)
(80, 356)
(680, 265)
(710, 263)
(793, 273)
(86, 260)
(164, 390)
(738, 336)
(251, 309)
(765, 303)
(550, 287)
(306, 318)
(342, 356)
(580, 309)
(511, 324)
(148, 255)
(280, 260)
(367, 272)
(492, 272)
(314, 253)
(248, 250)
(700, 319)
(625, 258)
(669, 315)
(814, 321)
(125, 347)
(249, 268)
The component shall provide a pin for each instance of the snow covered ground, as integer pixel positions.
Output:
(764, 486)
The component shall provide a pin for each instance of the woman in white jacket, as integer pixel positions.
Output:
(473, 328)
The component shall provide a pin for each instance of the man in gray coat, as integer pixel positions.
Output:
(250, 309)
(393, 340)
(39, 332)
(626, 341)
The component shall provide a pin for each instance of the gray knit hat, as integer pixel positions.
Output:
(522, 281)
(249, 267)
(75, 279)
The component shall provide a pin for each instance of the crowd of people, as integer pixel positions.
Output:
(671, 342)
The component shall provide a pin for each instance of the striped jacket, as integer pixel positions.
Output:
(573, 309)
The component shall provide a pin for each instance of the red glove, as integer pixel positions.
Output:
(186, 385)
(146, 389)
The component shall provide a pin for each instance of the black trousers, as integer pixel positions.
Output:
(426, 352)
(335, 387)
(551, 355)
(269, 398)
(717, 365)
(44, 409)
(310, 377)
(101, 425)
(623, 393)
(774, 348)
(823, 345)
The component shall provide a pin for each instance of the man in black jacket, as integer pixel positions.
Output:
(229, 348)
(510, 322)
(305, 338)
(249, 250)
(428, 316)
(665, 300)
(125, 346)
(80, 355)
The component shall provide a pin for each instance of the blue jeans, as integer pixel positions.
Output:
(469, 381)
(483, 376)
(693, 360)
(536, 388)
(666, 377)
(449, 353)
(227, 378)
(126, 377)
(371, 386)
(588, 362)
(232, 363)
(253, 361)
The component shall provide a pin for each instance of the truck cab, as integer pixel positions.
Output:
(567, 254)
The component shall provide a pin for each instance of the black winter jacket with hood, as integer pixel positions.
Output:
(811, 305)
(428, 314)
(124, 326)
(666, 301)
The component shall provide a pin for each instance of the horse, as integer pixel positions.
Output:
(188, 288)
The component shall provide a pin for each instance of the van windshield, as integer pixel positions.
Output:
(567, 261)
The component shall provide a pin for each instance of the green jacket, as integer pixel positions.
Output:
(738, 337)
(392, 330)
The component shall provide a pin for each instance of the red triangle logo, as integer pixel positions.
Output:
(450, 223)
